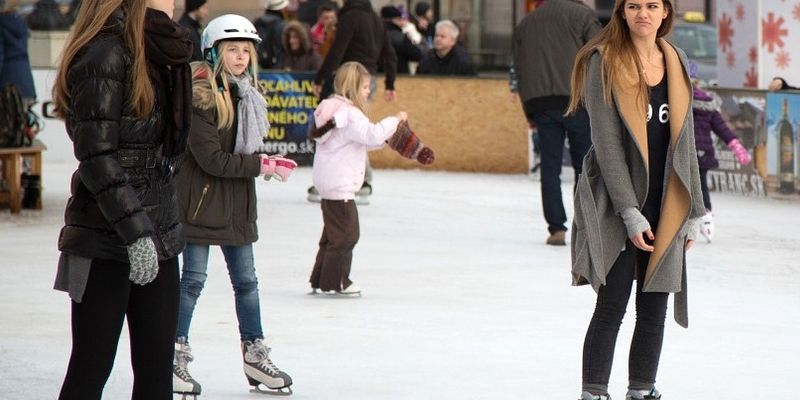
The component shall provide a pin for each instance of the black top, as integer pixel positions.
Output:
(657, 148)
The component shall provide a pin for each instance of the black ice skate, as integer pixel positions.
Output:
(182, 382)
(259, 370)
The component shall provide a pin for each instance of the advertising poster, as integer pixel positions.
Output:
(783, 154)
(291, 103)
(743, 111)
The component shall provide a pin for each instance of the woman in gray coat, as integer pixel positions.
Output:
(639, 192)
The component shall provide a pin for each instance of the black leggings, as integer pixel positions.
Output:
(152, 312)
(704, 188)
(648, 335)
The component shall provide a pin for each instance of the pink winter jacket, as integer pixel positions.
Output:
(341, 153)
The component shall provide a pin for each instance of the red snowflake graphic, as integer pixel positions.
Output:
(753, 55)
(771, 32)
(783, 59)
(751, 78)
(740, 11)
(725, 32)
(730, 59)
(796, 11)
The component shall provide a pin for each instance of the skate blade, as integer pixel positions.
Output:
(338, 295)
(187, 396)
(284, 391)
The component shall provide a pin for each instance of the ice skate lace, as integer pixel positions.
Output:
(184, 357)
(260, 352)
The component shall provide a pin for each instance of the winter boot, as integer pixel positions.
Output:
(707, 226)
(182, 382)
(260, 370)
(589, 396)
(651, 394)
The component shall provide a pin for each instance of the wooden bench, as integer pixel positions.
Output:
(11, 158)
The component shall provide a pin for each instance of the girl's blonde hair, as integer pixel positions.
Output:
(92, 16)
(618, 52)
(347, 83)
(217, 76)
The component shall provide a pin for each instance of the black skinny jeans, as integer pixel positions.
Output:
(648, 335)
(152, 312)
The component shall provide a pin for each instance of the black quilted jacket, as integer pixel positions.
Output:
(115, 202)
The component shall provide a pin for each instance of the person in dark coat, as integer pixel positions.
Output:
(217, 193)
(447, 57)
(361, 37)
(127, 111)
(270, 30)
(300, 56)
(403, 46)
(707, 119)
(308, 11)
(424, 21)
(15, 67)
(194, 15)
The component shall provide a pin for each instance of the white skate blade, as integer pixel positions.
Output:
(339, 295)
(284, 391)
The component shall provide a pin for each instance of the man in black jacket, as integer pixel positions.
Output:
(194, 15)
(403, 46)
(446, 57)
(544, 47)
(361, 37)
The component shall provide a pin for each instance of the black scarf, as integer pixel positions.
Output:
(167, 44)
(350, 5)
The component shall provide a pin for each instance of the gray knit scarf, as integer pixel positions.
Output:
(252, 114)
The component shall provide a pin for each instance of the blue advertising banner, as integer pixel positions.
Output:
(291, 103)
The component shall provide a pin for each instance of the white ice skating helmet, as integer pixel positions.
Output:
(226, 27)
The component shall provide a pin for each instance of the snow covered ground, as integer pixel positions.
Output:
(462, 300)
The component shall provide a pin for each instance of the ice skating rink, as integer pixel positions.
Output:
(462, 300)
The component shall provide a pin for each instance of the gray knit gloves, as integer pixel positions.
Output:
(144, 261)
(634, 221)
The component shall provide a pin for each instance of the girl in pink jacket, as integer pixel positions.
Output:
(343, 135)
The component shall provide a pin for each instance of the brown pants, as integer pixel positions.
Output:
(339, 236)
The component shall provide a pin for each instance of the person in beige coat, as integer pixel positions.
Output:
(639, 193)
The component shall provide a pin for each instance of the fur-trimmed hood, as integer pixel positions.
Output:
(202, 95)
(708, 101)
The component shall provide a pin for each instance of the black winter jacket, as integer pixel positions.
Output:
(122, 190)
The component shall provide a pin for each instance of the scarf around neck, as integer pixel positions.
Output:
(252, 116)
(167, 44)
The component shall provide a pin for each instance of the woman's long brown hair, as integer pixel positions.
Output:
(618, 51)
(92, 16)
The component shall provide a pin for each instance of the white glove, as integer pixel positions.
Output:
(144, 261)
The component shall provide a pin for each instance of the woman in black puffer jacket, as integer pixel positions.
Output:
(124, 90)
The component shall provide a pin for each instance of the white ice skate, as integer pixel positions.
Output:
(362, 195)
(182, 382)
(259, 370)
(313, 195)
(589, 396)
(651, 394)
(351, 291)
(707, 226)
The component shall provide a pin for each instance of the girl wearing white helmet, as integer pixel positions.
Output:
(217, 195)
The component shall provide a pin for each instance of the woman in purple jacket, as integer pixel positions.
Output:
(707, 119)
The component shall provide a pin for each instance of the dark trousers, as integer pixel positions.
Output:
(704, 187)
(552, 128)
(340, 234)
(648, 334)
(152, 313)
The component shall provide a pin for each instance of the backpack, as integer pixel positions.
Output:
(270, 50)
(13, 118)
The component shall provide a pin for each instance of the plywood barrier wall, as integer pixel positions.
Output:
(470, 123)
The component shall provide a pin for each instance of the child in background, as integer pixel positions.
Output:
(343, 135)
(217, 194)
(707, 118)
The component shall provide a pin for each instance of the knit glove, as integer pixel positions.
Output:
(407, 143)
(144, 261)
(691, 226)
(276, 166)
(739, 151)
(634, 221)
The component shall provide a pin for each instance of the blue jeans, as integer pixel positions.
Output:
(552, 127)
(242, 272)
